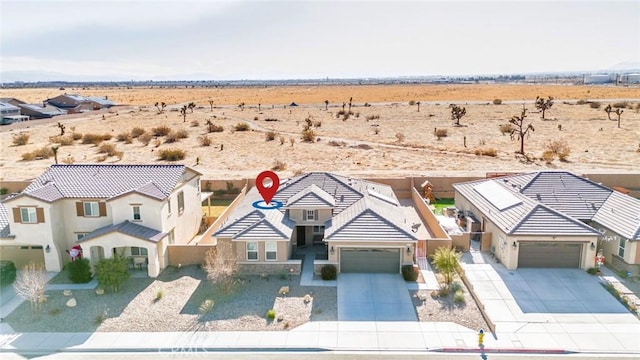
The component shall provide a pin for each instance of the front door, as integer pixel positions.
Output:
(301, 241)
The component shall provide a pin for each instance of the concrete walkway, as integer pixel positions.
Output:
(306, 278)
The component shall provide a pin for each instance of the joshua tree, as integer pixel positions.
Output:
(241, 106)
(519, 130)
(418, 103)
(350, 101)
(343, 105)
(608, 110)
(619, 112)
(326, 104)
(543, 105)
(457, 113)
(55, 153)
(61, 127)
(160, 107)
(191, 106)
(259, 106)
(211, 104)
(183, 112)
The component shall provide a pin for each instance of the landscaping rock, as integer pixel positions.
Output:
(67, 293)
(99, 291)
(72, 303)
(283, 290)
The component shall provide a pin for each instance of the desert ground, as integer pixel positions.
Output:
(384, 136)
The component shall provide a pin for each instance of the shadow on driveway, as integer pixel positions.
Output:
(559, 291)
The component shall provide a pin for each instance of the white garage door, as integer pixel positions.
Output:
(370, 260)
(22, 255)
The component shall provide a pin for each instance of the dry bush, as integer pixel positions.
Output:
(69, 160)
(486, 152)
(595, 105)
(137, 132)
(215, 128)
(145, 138)
(337, 143)
(620, 105)
(125, 136)
(372, 117)
(162, 130)
(376, 130)
(292, 141)
(271, 119)
(241, 126)
(582, 102)
(171, 154)
(171, 137)
(506, 129)
(440, 133)
(308, 135)
(195, 123)
(400, 136)
(109, 149)
(204, 141)
(497, 101)
(282, 140)
(548, 156)
(182, 134)
(30, 285)
(42, 153)
(76, 136)
(270, 135)
(157, 142)
(279, 166)
(102, 158)
(95, 139)
(20, 139)
(317, 124)
(220, 266)
(412, 102)
(558, 148)
(62, 140)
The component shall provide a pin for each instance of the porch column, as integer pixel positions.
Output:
(153, 268)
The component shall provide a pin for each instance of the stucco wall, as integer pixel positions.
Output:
(150, 210)
(297, 216)
(433, 226)
(187, 254)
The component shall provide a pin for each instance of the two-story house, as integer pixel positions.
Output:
(361, 224)
(133, 210)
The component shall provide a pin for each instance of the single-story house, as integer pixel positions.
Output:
(100, 102)
(10, 113)
(44, 111)
(554, 219)
(360, 224)
(73, 103)
(135, 211)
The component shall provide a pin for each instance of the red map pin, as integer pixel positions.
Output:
(267, 191)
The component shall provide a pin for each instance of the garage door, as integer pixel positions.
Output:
(549, 255)
(370, 260)
(22, 255)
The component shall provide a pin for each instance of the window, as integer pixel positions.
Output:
(172, 236)
(621, 245)
(169, 205)
(310, 215)
(252, 251)
(271, 251)
(136, 213)
(28, 215)
(91, 208)
(139, 251)
(318, 229)
(80, 236)
(180, 202)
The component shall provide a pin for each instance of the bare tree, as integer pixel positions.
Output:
(211, 104)
(326, 104)
(183, 112)
(220, 266)
(62, 128)
(160, 107)
(520, 130)
(619, 112)
(457, 113)
(241, 106)
(350, 101)
(608, 110)
(343, 105)
(543, 105)
(29, 285)
(191, 106)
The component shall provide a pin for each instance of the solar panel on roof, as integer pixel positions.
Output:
(498, 196)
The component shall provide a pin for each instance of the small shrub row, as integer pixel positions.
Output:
(372, 117)
(486, 152)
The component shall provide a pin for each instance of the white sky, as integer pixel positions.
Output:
(158, 39)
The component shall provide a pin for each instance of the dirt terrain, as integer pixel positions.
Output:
(384, 135)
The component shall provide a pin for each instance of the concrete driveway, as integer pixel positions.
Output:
(374, 297)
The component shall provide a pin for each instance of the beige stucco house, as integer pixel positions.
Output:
(359, 223)
(133, 210)
(554, 219)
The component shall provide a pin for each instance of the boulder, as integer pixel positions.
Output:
(283, 290)
(67, 293)
(72, 302)
(99, 291)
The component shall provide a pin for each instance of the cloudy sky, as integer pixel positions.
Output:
(225, 40)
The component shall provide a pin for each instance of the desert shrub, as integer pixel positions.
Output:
(112, 272)
(440, 133)
(340, 113)
(548, 156)
(215, 128)
(42, 153)
(137, 132)
(271, 314)
(558, 148)
(317, 124)
(497, 101)
(95, 139)
(162, 130)
(412, 102)
(102, 158)
(581, 102)
(443, 292)
(456, 286)
(195, 123)
(337, 143)
(458, 297)
(79, 271)
(182, 134)
(620, 105)
(171, 154)
(241, 126)
(592, 271)
(279, 166)
(20, 139)
(270, 135)
(282, 139)
(159, 295)
(595, 105)
(486, 152)
(76, 136)
(69, 160)
(123, 136)
(109, 149)
(376, 130)
(205, 141)
(400, 136)
(62, 140)
(329, 272)
(308, 135)
(372, 117)
(4, 191)
(145, 138)
(171, 137)
(409, 273)
(506, 129)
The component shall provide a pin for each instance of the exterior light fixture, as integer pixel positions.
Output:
(332, 249)
(48, 248)
(593, 246)
(408, 248)
(514, 245)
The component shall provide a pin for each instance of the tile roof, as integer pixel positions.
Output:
(620, 213)
(7, 106)
(5, 231)
(101, 100)
(311, 197)
(127, 228)
(48, 110)
(363, 210)
(105, 181)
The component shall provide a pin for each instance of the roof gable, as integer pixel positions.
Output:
(126, 228)
(542, 220)
(620, 213)
(5, 231)
(262, 230)
(310, 197)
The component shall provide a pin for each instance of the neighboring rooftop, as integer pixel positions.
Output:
(127, 228)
